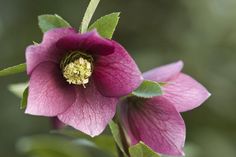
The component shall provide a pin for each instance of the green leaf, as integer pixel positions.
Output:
(18, 89)
(141, 150)
(148, 89)
(106, 25)
(13, 70)
(50, 146)
(88, 15)
(24, 99)
(21, 91)
(107, 146)
(47, 22)
(106, 143)
(115, 130)
(35, 43)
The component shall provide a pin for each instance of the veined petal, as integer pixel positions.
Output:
(46, 50)
(90, 42)
(91, 111)
(164, 73)
(155, 122)
(116, 74)
(49, 94)
(185, 93)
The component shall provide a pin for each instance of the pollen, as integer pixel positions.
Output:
(78, 71)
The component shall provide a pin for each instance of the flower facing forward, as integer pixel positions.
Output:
(157, 121)
(79, 78)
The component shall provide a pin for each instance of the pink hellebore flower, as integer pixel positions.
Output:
(79, 78)
(157, 121)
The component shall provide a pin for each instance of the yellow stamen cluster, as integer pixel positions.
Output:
(78, 71)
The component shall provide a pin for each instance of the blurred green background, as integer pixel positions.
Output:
(202, 33)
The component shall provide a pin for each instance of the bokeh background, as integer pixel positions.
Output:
(202, 33)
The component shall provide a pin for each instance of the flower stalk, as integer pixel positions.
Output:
(88, 15)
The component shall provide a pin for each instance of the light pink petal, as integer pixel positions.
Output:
(46, 50)
(49, 94)
(185, 93)
(117, 74)
(91, 111)
(164, 73)
(155, 122)
(90, 42)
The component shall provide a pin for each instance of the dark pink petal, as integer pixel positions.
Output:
(164, 73)
(90, 42)
(155, 122)
(116, 74)
(49, 94)
(46, 50)
(185, 93)
(91, 111)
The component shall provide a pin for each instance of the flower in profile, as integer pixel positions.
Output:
(157, 121)
(78, 78)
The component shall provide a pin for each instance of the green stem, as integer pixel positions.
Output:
(119, 152)
(119, 137)
(88, 15)
(13, 70)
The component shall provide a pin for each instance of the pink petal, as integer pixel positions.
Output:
(185, 93)
(164, 73)
(47, 50)
(155, 122)
(49, 94)
(91, 111)
(116, 74)
(90, 42)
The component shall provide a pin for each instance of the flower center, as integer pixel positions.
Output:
(77, 68)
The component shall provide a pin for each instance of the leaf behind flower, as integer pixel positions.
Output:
(47, 22)
(148, 89)
(141, 150)
(106, 25)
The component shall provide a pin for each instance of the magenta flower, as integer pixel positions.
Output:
(157, 121)
(79, 78)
